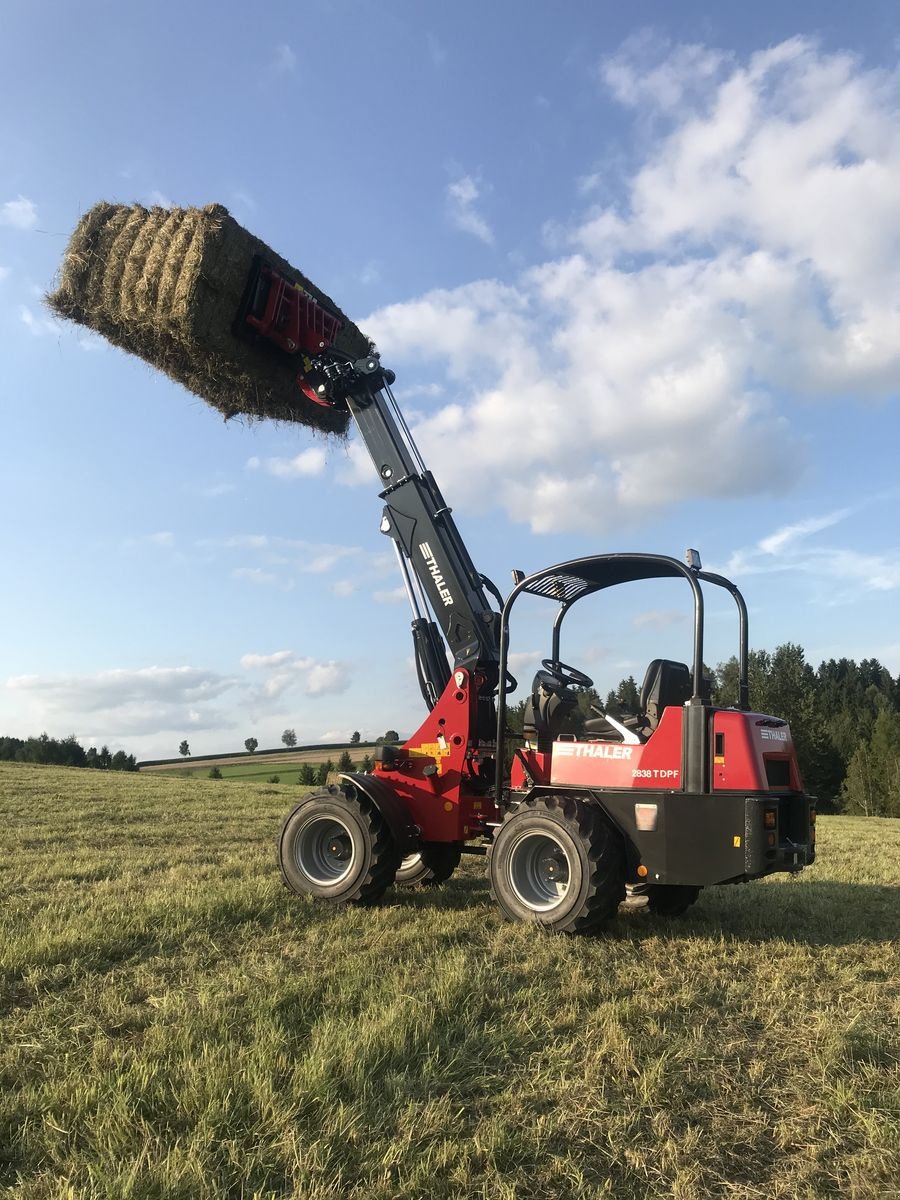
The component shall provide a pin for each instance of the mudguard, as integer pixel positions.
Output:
(391, 807)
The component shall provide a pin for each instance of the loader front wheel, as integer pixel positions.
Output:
(336, 846)
(431, 864)
(558, 862)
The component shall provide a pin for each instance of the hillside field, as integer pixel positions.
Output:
(175, 1025)
(258, 766)
(250, 768)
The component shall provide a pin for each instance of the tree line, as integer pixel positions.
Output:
(64, 752)
(844, 718)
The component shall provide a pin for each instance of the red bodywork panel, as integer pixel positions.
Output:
(743, 743)
(751, 752)
(438, 771)
(655, 764)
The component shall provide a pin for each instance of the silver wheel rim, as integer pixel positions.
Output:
(323, 850)
(411, 861)
(539, 871)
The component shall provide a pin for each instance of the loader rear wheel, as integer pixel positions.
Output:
(431, 864)
(336, 846)
(559, 862)
(671, 899)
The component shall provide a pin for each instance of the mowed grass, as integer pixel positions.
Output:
(173, 1023)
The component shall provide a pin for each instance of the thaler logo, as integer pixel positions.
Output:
(774, 735)
(591, 750)
(435, 572)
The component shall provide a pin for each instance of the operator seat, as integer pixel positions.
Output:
(545, 713)
(666, 684)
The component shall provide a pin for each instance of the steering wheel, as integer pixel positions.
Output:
(558, 675)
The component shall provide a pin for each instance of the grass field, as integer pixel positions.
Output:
(286, 764)
(173, 1024)
(255, 770)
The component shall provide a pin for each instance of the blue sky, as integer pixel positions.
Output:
(636, 268)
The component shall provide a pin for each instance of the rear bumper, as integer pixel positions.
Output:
(701, 840)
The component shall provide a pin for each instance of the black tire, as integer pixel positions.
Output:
(671, 899)
(559, 862)
(431, 864)
(336, 846)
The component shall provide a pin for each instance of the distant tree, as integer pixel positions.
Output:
(9, 747)
(104, 758)
(628, 696)
(309, 775)
(325, 769)
(345, 762)
(90, 758)
(250, 745)
(354, 738)
(391, 736)
(366, 765)
(184, 749)
(289, 738)
(872, 786)
(274, 779)
(119, 761)
(214, 773)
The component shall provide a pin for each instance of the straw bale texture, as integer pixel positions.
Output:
(166, 284)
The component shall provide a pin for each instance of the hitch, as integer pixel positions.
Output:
(276, 311)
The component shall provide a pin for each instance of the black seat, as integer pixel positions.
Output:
(545, 713)
(666, 683)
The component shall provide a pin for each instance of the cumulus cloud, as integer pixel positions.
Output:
(146, 700)
(284, 670)
(308, 462)
(462, 197)
(752, 256)
(20, 213)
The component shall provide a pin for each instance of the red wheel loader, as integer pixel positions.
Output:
(677, 797)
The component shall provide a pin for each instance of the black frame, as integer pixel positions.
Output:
(571, 581)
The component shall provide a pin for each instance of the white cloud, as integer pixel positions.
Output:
(124, 702)
(36, 324)
(4, 271)
(158, 198)
(163, 538)
(753, 255)
(214, 490)
(841, 574)
(775, 542)
(344, 588)
(252, 662)
(390, 595)
(306, 463)
(257, 575)
(462, 195)
(285, 670)
(283, 60)
(20, 213)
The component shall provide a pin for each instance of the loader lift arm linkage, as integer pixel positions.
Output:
(700, 796)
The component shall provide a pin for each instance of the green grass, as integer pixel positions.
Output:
(258, 772)
(173, 1024)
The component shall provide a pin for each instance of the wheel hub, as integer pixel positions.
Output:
(538, 868)
(323, 850)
